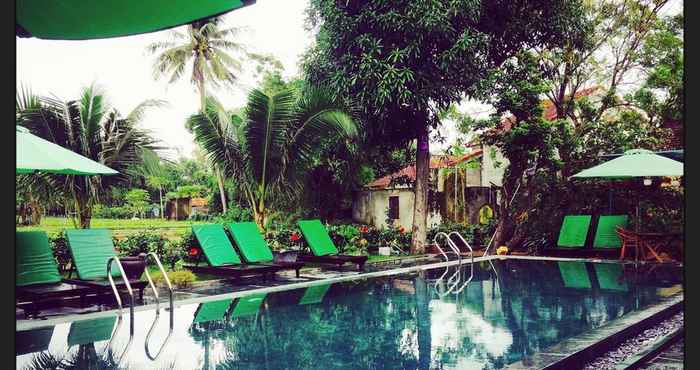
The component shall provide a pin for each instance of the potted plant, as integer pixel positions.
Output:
(134, 266)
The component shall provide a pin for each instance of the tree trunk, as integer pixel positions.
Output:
(222, 189)
(160, 199)
(506, 220)
(420, 206)
(83, 211)
(217, 170)
(260, 215)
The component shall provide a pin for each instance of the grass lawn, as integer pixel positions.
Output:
(119, 227)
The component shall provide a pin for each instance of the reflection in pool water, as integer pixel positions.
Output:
(509, 311)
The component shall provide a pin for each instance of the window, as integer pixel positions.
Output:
(394, 208)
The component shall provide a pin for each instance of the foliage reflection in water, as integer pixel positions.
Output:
(510, 310)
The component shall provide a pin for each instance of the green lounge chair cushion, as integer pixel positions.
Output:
(314, 294)
(251, 244)
(91, 248)
(212, 311)
(248, 305)
(610, 276)
(91, 331)
(317, 237)
(574, 274)
(216, 246)
(573, 231)
(34, 261)
(606, 235)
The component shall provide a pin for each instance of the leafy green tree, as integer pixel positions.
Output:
(404, 61)
(155, 175)
(206, 47)
(589, 121)
(270, 152)
(661, 96)
(93, 129)
(137, 200)
(608, 56)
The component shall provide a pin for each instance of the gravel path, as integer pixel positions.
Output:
(631, 346)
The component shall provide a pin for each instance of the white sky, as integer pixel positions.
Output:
(124, 70)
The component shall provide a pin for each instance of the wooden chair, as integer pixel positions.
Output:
(629, 240)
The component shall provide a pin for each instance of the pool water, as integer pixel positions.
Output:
(509, 310)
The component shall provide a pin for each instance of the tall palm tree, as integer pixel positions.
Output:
(272, 148)
(91, 128)
(206, 47)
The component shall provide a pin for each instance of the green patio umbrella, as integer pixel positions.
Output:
(634, 163)
(84, 20)
(35, 154)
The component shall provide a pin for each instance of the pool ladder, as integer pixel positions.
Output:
(454, 280)
(131, 303)
(171, 310)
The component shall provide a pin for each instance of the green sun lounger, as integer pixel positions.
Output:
(248, 305)
(574, 274)
(322, 248)
(35, 340)
(91, 331)
(573, 232)
(610, 276)
(606, 234)
(212, 311)
(254, 248)
(221, 256)
(90, 250)
(314, 294)
(36, 273)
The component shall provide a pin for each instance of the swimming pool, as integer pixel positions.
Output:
(509, 310)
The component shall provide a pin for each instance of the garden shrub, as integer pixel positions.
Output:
(477, 235)
(234, 213)
(184, 249)
(285, 237)
(102, 211)
(179, 279)
(145, 241)
(59, 247)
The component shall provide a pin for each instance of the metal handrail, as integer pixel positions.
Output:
(172, 310)
(472, 260)
(165, 277)
(116, 291)
(450, 244)
(471, 251)
(150, 331)
(454, 279)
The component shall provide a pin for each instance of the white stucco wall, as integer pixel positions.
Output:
(490, 173)
(370, 207)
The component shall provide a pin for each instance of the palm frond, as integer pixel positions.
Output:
(318, 116)
(91, 111)
(217, 137)
(137, 114)
(268, 119)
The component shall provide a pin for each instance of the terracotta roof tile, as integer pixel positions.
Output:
(436, 161)
(199, 202)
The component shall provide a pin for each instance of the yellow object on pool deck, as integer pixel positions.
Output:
(502, 250)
